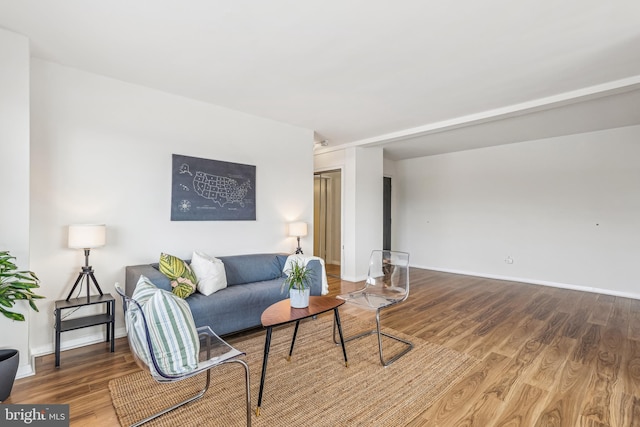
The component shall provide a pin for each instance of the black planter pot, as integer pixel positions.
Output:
(9, 359)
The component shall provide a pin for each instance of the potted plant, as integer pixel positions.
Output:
(14, 285)
(298, 281)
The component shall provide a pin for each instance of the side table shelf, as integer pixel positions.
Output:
(108, 318)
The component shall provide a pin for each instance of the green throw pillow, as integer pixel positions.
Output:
(183, 281)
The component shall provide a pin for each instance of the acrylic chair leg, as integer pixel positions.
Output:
(351, 338)
(408, 344)
(177, 405)
(379, 333)
(247, 388)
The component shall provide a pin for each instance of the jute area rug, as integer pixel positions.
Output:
(313, 389)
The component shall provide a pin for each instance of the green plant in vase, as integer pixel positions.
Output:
(298, 282)
(16, 285)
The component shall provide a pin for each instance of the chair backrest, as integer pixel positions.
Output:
(389, 273)
(140, 340)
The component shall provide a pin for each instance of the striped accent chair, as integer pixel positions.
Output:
(165, 341)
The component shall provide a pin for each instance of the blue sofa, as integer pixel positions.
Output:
(253, 284)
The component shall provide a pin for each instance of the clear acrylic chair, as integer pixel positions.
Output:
(387, 284)
(214, 351)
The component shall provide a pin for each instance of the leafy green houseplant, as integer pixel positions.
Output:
(298, 281)
(16, 285)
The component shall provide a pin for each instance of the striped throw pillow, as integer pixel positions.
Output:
(171, 328)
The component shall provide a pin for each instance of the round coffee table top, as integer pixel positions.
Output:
(281, 312)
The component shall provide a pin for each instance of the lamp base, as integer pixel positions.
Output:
(299, 249)
(86, 273)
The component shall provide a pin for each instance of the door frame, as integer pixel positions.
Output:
(341, 169)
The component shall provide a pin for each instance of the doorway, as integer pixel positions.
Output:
(327, 219)
(386, 214)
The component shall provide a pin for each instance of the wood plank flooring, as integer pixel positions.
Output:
(549, 357)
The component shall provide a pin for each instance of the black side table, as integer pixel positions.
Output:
(108, 318)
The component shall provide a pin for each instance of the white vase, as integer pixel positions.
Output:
(299, 297)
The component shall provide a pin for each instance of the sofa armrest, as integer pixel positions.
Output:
(133, 273)
(316, 278)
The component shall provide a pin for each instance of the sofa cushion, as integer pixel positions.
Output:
(171, 327)
(235, 308)
(209, 272)
(242, 269)
(183, 281)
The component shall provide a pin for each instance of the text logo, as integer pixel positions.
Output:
(34, 415)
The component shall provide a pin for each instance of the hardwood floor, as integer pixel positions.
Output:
(549, 357)
(333, 270)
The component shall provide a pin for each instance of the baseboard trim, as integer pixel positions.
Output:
(75, 343)
(353, 278)
(535, 282)
(26, 370)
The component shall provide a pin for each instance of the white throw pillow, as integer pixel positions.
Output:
(209, 272)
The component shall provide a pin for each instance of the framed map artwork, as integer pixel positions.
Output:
(211, 190)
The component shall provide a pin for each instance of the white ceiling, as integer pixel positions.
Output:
(419, 77)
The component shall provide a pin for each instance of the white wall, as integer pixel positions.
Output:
(369, 206)
(566, 210)
(14, 175)
(335, 217)
(101, 152)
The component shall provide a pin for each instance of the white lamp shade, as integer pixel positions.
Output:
(298, 229)
(87, 236)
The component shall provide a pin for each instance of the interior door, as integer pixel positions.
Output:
(386, 214)
(327, 219)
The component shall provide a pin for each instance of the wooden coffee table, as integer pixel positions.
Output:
(281, 313)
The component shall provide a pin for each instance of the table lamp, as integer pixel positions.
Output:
(87, 237)
(298, 229)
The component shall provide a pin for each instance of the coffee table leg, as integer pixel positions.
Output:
(293, 340)
(265, 358)
(344, 350)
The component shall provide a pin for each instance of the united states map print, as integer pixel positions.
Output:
(212, 190)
